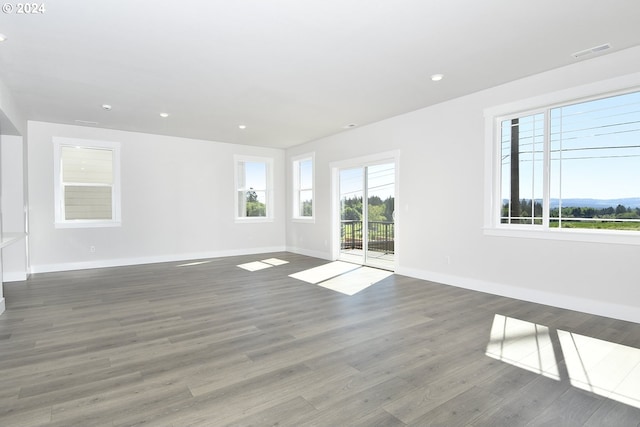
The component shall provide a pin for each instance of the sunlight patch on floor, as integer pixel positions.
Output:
(324, 272)
(255, 266)
(261, 265)
(354, 281)
(601, 367)
(523, 344)
(343, 277)
(189, 264)
(275, 261)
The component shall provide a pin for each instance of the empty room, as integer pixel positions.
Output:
(320, 213)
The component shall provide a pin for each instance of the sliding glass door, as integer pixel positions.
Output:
(367, 226)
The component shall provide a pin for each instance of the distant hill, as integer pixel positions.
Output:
(629, 202)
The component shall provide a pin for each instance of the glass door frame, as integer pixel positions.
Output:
(363, 162)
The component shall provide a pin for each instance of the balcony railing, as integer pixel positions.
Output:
(380, 235)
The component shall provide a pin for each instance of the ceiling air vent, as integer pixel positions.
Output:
(591, 50)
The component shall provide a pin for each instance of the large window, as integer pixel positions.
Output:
(572, 166)
(303, 208)
(254, 193)
(87, 183)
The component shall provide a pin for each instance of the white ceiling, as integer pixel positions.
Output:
(290, 70)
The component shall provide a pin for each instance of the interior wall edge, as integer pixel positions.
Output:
(12, 120)
(568, 302)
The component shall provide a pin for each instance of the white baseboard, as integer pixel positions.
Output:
(615, 311)
(120, 262)
(16, 276)
(599, 308)
(307, 252)
(2, 305)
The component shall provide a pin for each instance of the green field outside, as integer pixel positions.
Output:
(598, 225)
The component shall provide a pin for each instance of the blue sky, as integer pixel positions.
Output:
(256, 178)
(381, 180)
(600, 143)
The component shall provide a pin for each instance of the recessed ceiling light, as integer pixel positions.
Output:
(437, 77)
(2, 37)
(164, 115)
(242, 126)
(106, 107)
(86, 122)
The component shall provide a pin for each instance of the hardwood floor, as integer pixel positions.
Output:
(211, 344)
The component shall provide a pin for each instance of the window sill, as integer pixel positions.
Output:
(303, 220)
(593, 236)
(88, 224)
(250, 220)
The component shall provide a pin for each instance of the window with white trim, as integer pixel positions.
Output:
(87, 183)
(254, 184)
(303, 179)
(571, 166)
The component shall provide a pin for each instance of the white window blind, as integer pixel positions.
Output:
(87, 181)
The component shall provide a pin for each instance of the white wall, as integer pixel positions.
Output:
(442, 196)
(177, 203)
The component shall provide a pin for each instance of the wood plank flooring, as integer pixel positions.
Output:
(211, 344)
